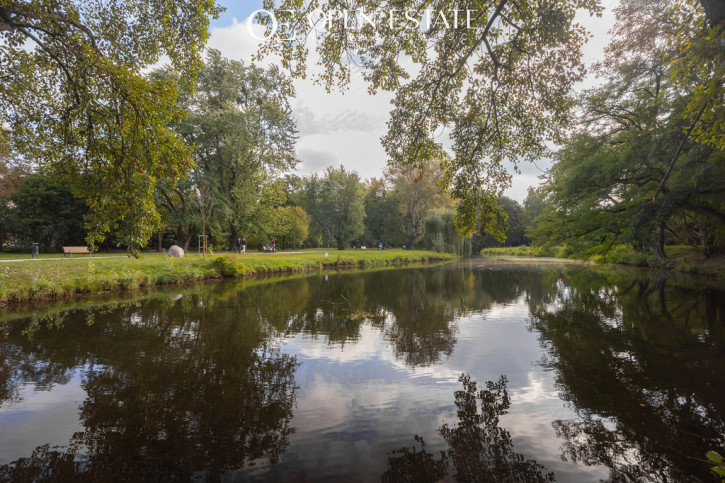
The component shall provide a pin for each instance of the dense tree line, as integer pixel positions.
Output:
(642, 170)
(238, 124)
(203, 147)
(332, 209)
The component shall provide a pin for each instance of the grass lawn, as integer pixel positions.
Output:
(45, 277)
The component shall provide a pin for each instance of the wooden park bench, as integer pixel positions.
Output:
(73, 250)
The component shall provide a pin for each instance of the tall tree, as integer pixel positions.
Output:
(335, 203)
(693, 51)
(11, 176)
(240, 123)
(515, 233)
(635, 127)
(75, 99)
(277, 219)
(440, 233)
(418, 191)
(532, 207)
(383, 219)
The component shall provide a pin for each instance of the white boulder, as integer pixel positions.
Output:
(176, 251)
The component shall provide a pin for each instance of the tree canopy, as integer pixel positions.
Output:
(418, 191)
(239, 121)
(383, 218)
(74, 98)
(502, 86)
(335, 203)
(602, 185)
(42, 210)
(498, 75)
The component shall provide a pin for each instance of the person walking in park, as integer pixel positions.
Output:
(238, 248)
(274, 245)
(244, 245)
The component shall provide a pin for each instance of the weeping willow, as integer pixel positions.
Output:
(439, 234)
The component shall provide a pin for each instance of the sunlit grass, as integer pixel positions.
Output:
(43, 278)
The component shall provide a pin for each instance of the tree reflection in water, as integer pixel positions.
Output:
(639, 361)
(16, 368)
(197, 385)
(165, 397)
(478, 447)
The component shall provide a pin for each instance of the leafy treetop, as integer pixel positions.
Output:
(502, 86)
(75, 99)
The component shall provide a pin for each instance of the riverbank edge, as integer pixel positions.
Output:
(713, 268)
(40, 286)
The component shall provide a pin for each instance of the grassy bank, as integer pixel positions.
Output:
(681, 258)
(50, 279)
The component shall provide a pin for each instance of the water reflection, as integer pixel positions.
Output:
(640, 362)
(479, 449)
(199, 382)
(173, 389)
(17, 366)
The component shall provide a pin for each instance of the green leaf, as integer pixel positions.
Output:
(714, 456)
(719, 470)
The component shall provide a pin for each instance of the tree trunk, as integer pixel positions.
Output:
(233, 235)
(411, 228)
(411, 231)
(707, 243)
(715, 11)
(188, 240)
(160, 237)
(659, 248)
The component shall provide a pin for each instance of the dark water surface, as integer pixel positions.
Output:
(478, 371)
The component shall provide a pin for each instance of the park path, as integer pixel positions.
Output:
(58, 258)
(101, 258)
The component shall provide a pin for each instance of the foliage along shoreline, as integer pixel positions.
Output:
(50, 280)
(682, 259)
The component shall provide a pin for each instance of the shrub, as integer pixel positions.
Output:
(228, 268)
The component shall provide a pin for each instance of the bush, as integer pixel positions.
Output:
(626, 255)
(564, 251)
(544, 251)
(228, 267)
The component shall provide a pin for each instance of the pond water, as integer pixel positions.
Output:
(477, 371)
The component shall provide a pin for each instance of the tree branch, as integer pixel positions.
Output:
(677, 153)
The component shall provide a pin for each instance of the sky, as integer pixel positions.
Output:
(344, 128)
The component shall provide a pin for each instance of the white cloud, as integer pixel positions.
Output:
(529, 174)
(314, 160)
(334, 128)
(235, 42)
(348, 119)
(357, 151)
